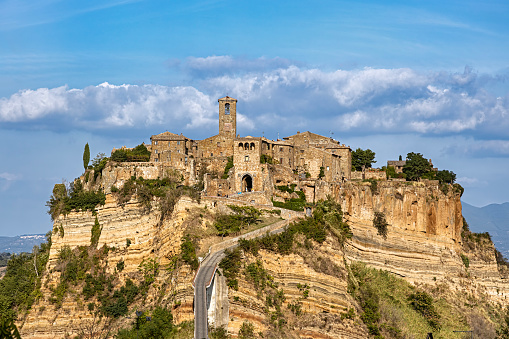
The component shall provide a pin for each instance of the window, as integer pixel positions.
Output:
(280, 149)
(227, 109)
(155, 151)
(246, 159)
(327, 168)
(252, 146)
(155, 142)
(211, 154)
(178, 151)
(178, 142)
(281, 161)
(218, 144)
(156, 160)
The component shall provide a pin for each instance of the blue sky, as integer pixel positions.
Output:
(397, 77)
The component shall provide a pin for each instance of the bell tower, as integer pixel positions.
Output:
(228, 117)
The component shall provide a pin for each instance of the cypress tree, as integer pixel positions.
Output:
(86, 156)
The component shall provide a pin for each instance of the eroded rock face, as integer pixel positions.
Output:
(424, 234)
(423, 245)
(149, 238)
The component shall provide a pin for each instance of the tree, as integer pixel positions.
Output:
(445, 176)
(362, 158)
(416, 166)
(86, 156)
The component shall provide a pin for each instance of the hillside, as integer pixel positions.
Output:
(378, 258)
(21, 243)
(493, 218)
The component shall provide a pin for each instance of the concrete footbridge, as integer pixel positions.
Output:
(204, 280)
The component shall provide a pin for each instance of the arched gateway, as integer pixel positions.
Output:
(247, 183)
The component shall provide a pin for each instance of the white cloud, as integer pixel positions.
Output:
(365, 101)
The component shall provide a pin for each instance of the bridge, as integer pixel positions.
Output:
(205, 275)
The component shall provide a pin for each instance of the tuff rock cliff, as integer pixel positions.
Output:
(424, 245)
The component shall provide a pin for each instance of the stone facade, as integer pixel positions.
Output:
(304, 156)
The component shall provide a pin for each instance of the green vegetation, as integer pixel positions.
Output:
(322, 172)
(390, 172)
(231, 264)
(446, 177)
(188, 252)
(86, 156)
(96, 233)
(98, 164)
(137, 154)
(390, 307)
(75, 198)
(380, 224)
(21, 285)
(168, 190)
(416, 167)
(295, 204)
(4, 258)
(266, 159)
(242, 216)
(327, 216)
(465, 260)
(227, 168)
(422, 302)
(503, 331)
(151, 325)
(8, 329)
(373, 186)
(246, 330)
(362, 159)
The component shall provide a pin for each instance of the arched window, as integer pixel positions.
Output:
(227, 108)
(246, 146)
(252, 146)
(241, 146)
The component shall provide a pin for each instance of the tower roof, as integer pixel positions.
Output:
(227, 98)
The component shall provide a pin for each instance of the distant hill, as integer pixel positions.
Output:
(492, 218)
(21, 243)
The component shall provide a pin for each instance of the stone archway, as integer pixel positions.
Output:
(247, 183)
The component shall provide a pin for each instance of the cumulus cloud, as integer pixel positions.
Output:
(275, 96)
(109, 106)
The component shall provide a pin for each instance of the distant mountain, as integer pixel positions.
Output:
(21, 243)
(492, 218)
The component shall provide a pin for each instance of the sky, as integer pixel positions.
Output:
(396, 77)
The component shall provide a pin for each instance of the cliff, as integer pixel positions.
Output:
(423, 245)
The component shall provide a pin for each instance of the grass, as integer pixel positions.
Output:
(398, 319)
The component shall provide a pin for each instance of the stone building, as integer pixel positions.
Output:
(258, 163)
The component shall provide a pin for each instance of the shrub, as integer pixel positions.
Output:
(188, 252)
(465, 260)
(422, 302)
(246, 330)
(380, 224)
(120, 265)
(96, 233)
(227, 168)
(230, 265)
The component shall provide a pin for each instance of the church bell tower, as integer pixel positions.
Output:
(228, 117)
